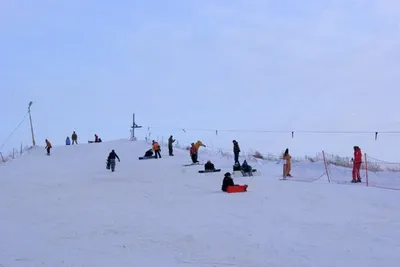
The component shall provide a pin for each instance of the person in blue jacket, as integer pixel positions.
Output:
(67, 141)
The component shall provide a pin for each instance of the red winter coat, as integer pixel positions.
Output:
(357, 156)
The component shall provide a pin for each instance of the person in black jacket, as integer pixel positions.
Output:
(209, 166)
(228, 181)
(111, 160)
(149, 153)
(236, 150)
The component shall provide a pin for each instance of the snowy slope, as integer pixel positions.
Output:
(68, 210)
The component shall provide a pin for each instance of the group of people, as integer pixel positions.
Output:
(74, 138)
(209, 166)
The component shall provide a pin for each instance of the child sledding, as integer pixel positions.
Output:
(229, 186)
(209, 167)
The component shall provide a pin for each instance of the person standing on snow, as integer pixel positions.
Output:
(236, 150)
(287, 166)
(111, 160)
(357, 160)
(74, 138)
(193, 153)
(48, 146)
(171, 140)
(157, 149)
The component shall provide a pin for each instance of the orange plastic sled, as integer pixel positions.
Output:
(237, 189)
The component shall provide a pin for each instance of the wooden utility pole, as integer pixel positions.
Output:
(30, 121)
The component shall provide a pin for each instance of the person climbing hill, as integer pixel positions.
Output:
(111, 160)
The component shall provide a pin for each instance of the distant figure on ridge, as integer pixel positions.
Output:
(157, 149)
(111, 160)
(96, 139)
(74, 138)
(236, 150)
(357, 165)
(67, 141)
(48, 147)
(287, 166)
(171, 140)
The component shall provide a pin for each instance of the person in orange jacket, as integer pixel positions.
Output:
(194, 150)
(48, 146)
(156, 148)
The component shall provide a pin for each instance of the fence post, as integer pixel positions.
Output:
(366, 169)
(1, 154)
(20, 152)
(326, 166)
(13, 153)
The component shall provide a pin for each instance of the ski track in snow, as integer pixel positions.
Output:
(68, 210)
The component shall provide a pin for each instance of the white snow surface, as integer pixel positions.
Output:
(68, 210)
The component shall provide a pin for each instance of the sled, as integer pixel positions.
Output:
(209, 171)
(237, 189)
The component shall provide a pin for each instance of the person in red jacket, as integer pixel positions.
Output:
(357, 160)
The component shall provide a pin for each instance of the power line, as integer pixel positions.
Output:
(12, 133)
(277, 131)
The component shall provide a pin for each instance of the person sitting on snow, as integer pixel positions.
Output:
(246, 167)
(237, 167)
(149, 153)
(67, 141)
(228, 181)
(209, 166)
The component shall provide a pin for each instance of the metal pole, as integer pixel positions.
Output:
(30, 120)
(133, 127)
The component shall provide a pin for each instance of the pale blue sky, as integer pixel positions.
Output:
(274, 65)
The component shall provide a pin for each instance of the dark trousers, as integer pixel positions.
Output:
(170, 150)
(48, 150)
(236, 157)
(157, 153)
(194, 158)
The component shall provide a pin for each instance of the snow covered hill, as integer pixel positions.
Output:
(68, 210)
